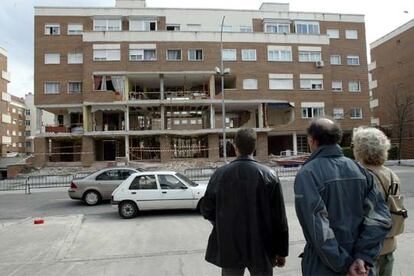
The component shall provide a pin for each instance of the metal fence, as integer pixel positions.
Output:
(53, 181)
(202, 174)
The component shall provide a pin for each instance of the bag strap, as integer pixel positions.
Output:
(386, 191)
(393, 189)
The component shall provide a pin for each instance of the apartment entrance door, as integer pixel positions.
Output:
(109, 148)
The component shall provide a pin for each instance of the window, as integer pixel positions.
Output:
(20, 133)
(250, 84)
(332, 33)
(107, 52)
(226, 28)
(351, 34)
(311, 81)
(174, 27)
(170, 182)
(75, 58)
(229, 54)
(310, 84)
(108, 83)
(142, 54)
(51, 88)
(144, 182)
(75, 29)
(8, 131)
(20, 145)
(143, 25)
(309, 56)
(28, 144)
(124, 174)
(249, 54)
(52, 29)
(28, 133)
(107, 25)
(75, 87)
(277, 28)
(52, 58)
(335, 59)
(13, 110)
(337, 86)
(338, 113)
(246, 29)
(312, 110)
(14, 133)
(195, 54)
(280, 81)
(174, 55)
(307, 27)
(354, 86)
(356, 113)
(27, 122)
(279, 53)
(110, 175)
(28, 112)
(352, 60)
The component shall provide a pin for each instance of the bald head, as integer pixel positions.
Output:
(325, 131)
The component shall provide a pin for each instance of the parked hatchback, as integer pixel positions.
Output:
(99, 185)
(157, 190)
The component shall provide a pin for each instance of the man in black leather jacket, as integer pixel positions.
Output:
(244, 202)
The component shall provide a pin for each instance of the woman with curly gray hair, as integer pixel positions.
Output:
(370, 146)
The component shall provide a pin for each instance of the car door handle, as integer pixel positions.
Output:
(134, 193)
(164, 192)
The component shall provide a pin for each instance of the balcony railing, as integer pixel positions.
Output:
(169, 95)
(74, 128)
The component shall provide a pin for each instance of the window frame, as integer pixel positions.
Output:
(309, 55)
(338, 36)
(243, 51)
(360, 113)
(74, 54)
(50, 55)
(335, 90)
(313, 109)
(143, 55)
(291, 87)
(349, 36)
(75, 92)
(251, 79)
(106, 55)
(312, 83)
(278, 54)
(52, 25)
(354, 91)
(307, 23)
(51, 82)
(107, 27)
(353, 57)
(74, 32)
(181, 54)
(195, 49)
(277, 27)
(340, 59)
(342, 114)
(229, 50)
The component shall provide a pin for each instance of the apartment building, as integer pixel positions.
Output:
(12, 115)
(140, 83)
(36, 121)
(392, 85)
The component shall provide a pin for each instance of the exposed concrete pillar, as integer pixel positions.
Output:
(165, 147)
(213, 147)
(212, 117)
(162, 87)
(295, 143)
(163, 121)
(212, 86)
(38, 121)
(261, 116)
(88, 151)
(41, 148)
(127, 118)
(86, 116)
(127, 149)
(261, 146)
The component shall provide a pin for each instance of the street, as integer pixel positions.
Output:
(80, 240)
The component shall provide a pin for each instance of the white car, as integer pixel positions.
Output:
(157, 190)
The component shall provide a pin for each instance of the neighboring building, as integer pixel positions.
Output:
(36, 122)
(12, 115)
(140, 83)
(392, 83)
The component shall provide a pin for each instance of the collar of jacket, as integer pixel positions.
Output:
(244, 158)
(326, 151)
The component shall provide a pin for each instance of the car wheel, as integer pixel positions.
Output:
(127, 209)
(92, 198)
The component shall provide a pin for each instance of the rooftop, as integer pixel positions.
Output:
(394, 33)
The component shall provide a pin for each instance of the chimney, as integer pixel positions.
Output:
(131, 4)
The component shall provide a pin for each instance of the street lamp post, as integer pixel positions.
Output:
(223, 109)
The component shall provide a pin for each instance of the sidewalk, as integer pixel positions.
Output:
(152, 244)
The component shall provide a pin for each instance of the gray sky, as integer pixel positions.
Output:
(16, 23)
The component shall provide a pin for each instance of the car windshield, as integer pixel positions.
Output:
(187, 180)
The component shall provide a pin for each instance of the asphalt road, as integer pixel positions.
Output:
(55, 202)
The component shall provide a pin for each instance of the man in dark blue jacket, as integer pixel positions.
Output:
(343, 216)
(244, 202)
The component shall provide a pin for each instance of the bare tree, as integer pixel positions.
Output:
(401, 112)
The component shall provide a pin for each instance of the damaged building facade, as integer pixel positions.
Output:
(140, 83)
